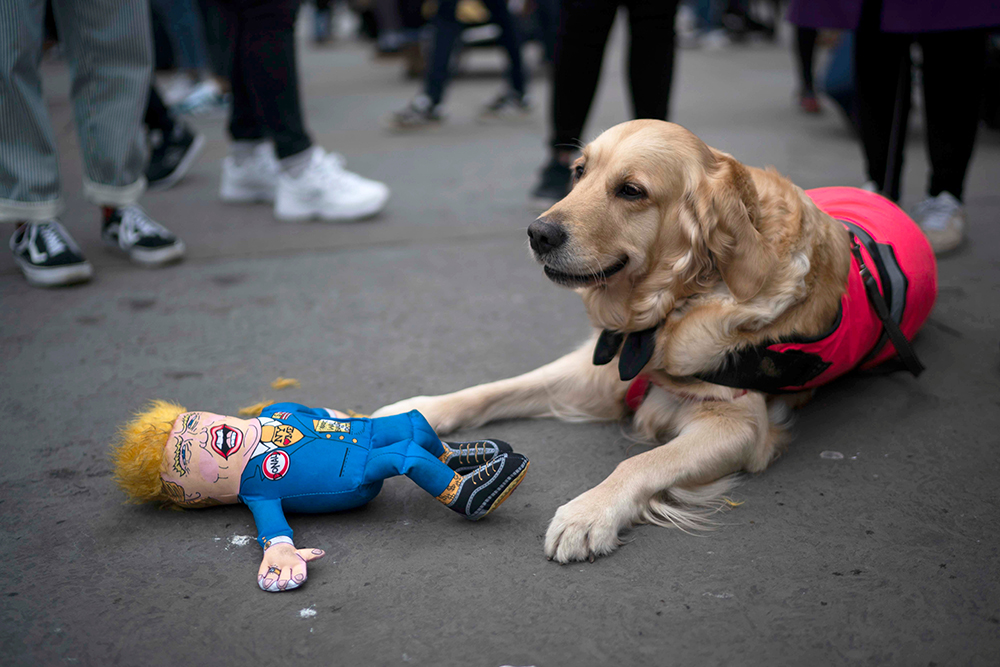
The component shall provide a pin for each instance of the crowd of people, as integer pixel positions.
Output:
(238, 57)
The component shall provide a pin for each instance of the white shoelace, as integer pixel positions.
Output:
(136, 223)
(54, 242)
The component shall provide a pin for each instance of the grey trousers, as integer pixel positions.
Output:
(108, 46)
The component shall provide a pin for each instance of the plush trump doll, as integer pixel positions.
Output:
(299, 459)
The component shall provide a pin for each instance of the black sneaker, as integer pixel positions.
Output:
(464, 457)
(419, 113)
(508, 106)
(48, 255)
(553, 184)
(172, 157)
(481, 491)
(145, 241)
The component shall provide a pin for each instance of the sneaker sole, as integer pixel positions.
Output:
(182, 167)
(359, 212)
(55, 276)
(506, 492)
(159, 256)
(233, 195)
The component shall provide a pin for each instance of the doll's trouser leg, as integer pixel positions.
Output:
(407, 445)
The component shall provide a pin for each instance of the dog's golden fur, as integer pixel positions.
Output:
(724, 256)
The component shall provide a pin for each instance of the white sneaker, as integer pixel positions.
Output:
(327, 191)
(253, 180)
(942, 220)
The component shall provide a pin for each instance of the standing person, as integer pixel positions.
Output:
(584, 26)
(952, 39)
(302, 179)
(109, 48)
(175, 146)
(423, 109)
(805, 48)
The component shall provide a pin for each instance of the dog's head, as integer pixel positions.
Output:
(654, 215)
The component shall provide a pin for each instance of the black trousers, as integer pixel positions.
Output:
(263, 73)
(953, 70)
(157, 115)
(584, 26)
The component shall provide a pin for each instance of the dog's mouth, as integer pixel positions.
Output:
(585, 279)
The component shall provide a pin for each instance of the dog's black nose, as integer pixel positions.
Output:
(545, 236)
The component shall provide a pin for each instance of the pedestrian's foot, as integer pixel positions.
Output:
(476, 494)
(942, 220)
(47, 255)
(205, 99)
(809, 103)
(553, 183)
(250, 178)
(464, 457)
(324, 189)
(419, 113)
(172, 156)
(144, 240)
(508, 106)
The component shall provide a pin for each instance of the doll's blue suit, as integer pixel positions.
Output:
(337, 464)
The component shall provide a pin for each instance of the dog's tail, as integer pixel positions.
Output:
(692, 508)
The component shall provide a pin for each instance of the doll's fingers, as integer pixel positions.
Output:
(297, 575)
(310, 554)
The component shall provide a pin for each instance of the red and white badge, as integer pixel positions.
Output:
(281, 415)
(225, 440)
(275, 465)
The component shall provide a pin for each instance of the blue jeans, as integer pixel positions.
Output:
(447, 31)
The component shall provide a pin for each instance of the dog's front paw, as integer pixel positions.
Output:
(586, 527)
(429, 406)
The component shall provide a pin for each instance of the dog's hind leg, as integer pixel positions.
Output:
(570, 388)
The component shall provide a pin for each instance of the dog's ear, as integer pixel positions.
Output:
(726, 208)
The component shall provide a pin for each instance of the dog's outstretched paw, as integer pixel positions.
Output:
(431, 407)
(584, 528)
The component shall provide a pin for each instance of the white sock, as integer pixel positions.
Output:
(294, 165)
(241, 151)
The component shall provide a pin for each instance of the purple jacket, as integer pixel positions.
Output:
(898, 15)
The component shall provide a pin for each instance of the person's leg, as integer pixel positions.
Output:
(583, 33)
(510, 40)
(29, 165)
(805, 47)
(953, 75)
(447, 30)
(157, 115)
(878, 57)
(651, 56)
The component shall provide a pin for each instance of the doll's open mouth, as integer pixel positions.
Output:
(585, 279)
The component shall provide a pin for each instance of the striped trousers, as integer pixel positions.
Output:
(108, 46)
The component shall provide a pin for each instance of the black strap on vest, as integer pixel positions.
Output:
(903, 347)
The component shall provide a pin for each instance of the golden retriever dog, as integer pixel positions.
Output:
(660, 230)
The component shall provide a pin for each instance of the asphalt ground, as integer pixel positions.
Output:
(888, 555)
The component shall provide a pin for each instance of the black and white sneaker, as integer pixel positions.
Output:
(419, 113)
(172, 156)
(144, 240)
(464, 457)
(507, 106)
(48, 255)
(481, 491)
(553, 183)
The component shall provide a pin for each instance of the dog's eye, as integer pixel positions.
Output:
(631, 191)
(578, 172)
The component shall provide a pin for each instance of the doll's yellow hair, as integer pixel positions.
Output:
(138, 452)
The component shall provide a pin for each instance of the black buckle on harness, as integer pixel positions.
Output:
(903, 347)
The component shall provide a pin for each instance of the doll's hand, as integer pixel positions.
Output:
(284, 567)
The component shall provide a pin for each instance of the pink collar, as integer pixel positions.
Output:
(640, 386)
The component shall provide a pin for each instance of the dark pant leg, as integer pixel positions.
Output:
(954, 70)
(583, 33)
(805, 47)
(265, 71)
(157, 115)
(651, 56)
(446, 32)
(878, 57)
(510, 40)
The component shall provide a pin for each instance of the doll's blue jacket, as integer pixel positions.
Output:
(322, 472)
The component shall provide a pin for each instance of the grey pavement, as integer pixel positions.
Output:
(887, 556)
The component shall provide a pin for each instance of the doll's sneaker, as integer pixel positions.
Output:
(464, 457)
(481, 491)
(47, 255)
(253, 178)
(144, 240)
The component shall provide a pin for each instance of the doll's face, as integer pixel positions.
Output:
(205, 456)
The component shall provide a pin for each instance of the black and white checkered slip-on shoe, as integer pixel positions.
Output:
(481, 491)
(144, 240)
(464, 457)
(47, 255)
